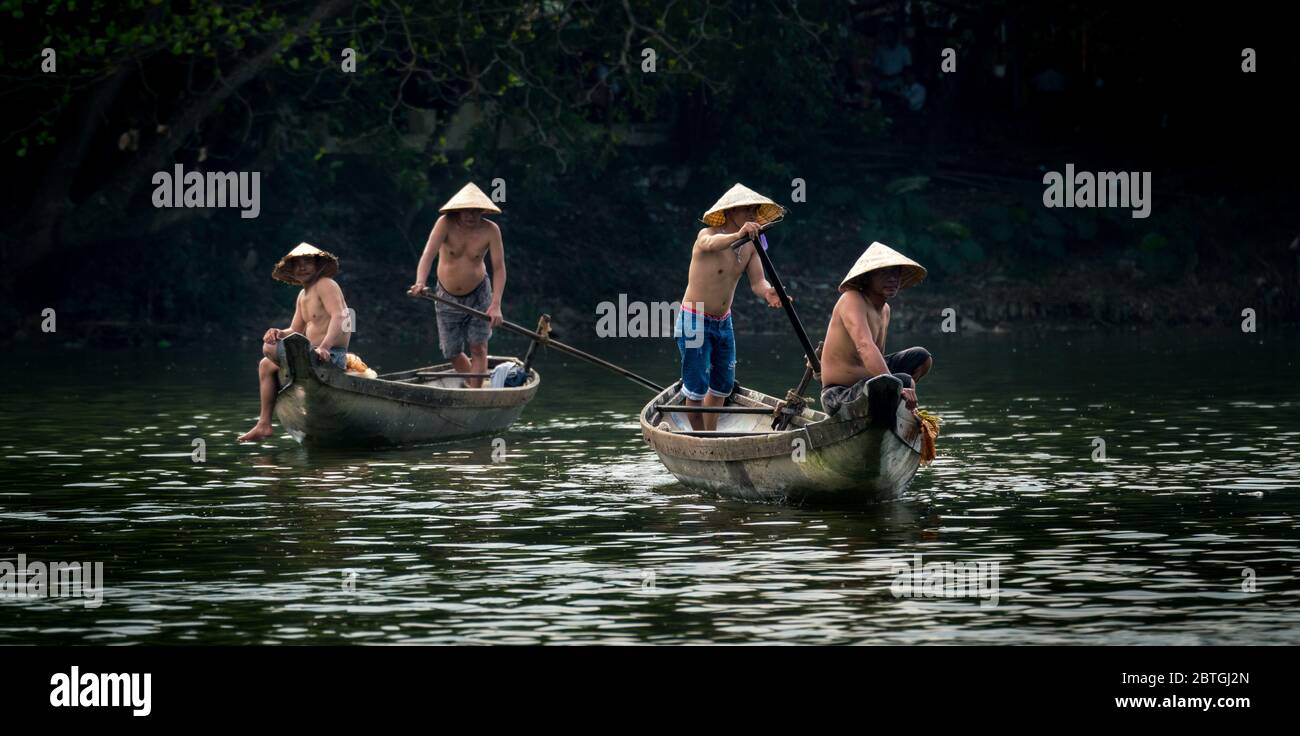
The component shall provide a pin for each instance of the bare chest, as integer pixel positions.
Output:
(311, 307)
(727, 264)
(461, 245)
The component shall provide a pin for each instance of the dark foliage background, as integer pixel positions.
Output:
(608, 167)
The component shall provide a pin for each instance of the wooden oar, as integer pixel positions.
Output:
(780, 293)
(546, 340)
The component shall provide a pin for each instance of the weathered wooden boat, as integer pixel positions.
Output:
(322, 406)
(867, 452)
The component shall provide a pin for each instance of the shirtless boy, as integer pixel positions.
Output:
(320, 314)
(459, 241)
(704, 333)
(855, 339)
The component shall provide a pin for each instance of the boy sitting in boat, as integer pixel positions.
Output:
(855, 339)
(703, 330)
(320, 313)
(460, 240)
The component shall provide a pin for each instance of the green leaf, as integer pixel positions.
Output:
(1153, 242)
(951, 229)
(907, 184)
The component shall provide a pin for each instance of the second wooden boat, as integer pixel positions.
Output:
(867, 452)
(322, 406)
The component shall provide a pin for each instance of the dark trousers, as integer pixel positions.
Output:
(901, 364)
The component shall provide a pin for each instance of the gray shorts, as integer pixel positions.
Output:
(458, 329)
(338, 356)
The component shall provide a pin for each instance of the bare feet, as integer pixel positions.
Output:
(258, 432)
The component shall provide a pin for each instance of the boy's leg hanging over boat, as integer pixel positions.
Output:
(268, 384)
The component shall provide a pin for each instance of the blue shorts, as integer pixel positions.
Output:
(708, 348)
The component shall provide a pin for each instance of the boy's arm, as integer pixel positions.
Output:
(431, 248)
(884, 328)
(758, 284)
(297, 324)
(497, 251)
(331, 297)
(710, 242)
(909, 394)
(858, 325)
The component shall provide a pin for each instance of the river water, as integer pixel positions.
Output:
(1183, 529)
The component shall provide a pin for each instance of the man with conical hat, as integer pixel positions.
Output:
(460, 241)
(854, 351)
(704, 332)
(320, 314)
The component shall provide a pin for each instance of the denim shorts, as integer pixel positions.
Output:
(708, 348)
(338, 356)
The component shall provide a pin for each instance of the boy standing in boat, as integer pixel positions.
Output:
(460, 240)
(704, 332)
(855, 338)
(319, 313)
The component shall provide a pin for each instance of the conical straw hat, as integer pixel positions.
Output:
(304, 250)
(742, 196)
(470, 197)
(879, 256)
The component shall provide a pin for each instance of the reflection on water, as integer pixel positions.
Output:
(580, 535)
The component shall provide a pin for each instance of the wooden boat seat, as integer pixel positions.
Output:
(720, 433)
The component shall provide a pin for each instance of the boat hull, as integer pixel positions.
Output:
(321, 406)
(856, 458)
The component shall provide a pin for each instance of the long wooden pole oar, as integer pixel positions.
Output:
(761, 249)
(548, 341)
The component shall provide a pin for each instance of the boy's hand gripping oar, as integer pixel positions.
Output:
(780, 293)
(545, 340)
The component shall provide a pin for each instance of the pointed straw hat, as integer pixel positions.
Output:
(282, 271)
(742, 196)
(470, 197)
(880, 256)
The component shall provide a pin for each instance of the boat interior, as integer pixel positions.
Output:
(747, 417)
(443, 375)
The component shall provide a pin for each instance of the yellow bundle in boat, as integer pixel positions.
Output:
(357, 365)
(929, 433)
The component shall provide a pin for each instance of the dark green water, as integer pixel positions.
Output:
(581, 536)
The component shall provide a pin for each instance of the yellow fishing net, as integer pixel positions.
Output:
(929, 433)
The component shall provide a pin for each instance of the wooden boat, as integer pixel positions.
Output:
(322, 406)
(868, 451)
